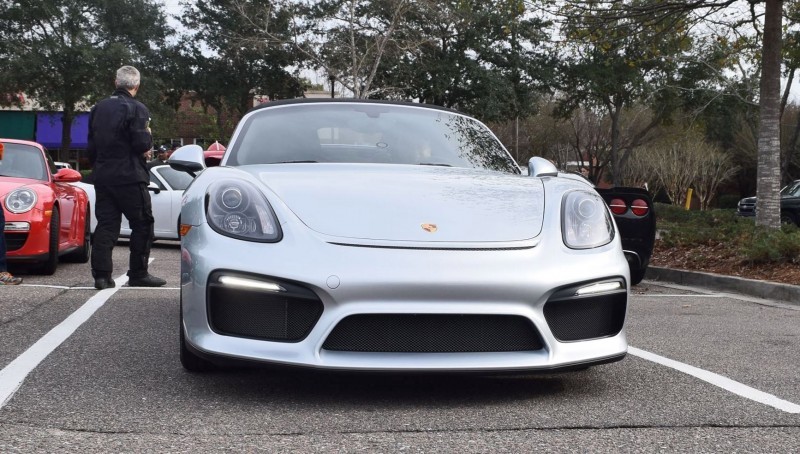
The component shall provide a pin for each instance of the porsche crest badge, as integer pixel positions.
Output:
(431, 228)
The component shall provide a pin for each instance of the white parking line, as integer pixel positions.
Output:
(677, 295)
(702, 292)
(12, 376)
(720, 381)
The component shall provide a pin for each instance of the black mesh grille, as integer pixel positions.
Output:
(433, 333)
(588, 317)
(15, 241)
(284, 316)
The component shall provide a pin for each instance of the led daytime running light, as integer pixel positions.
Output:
(250, 284)
(599, 288)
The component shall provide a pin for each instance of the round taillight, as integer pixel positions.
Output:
(618, 206)
(639, 207)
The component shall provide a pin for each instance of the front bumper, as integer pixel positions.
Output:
(352, 281)
(27, 235)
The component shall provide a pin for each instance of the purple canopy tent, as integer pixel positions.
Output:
(48, 130)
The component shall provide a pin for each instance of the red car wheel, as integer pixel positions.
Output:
(51, 263)
(83, 253)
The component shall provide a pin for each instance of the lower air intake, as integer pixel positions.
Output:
(287, 316)
(433, 333)
(15, 241)
(588, 317)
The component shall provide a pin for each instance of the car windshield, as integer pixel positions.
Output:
(367, 133)
(177, 180)
(23, 161)
(792, 189)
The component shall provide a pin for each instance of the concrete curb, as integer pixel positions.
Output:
(761, 289)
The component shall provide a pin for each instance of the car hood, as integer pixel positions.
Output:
(9, 184)
(408, 203)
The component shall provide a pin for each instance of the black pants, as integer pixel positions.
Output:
(132, 200)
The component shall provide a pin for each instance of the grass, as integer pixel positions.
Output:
(722, 228)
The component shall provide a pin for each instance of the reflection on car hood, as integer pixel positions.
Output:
(408, 203)
(8, 184)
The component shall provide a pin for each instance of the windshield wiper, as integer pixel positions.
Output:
(293, 162)
(441, 164)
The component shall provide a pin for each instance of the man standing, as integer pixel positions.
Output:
(119, 137)
(162, 153)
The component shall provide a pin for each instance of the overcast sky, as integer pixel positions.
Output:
(173, 6)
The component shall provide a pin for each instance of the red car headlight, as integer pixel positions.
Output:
(21, 200)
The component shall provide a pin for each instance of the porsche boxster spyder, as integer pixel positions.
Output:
(383, 236)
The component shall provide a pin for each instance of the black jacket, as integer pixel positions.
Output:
(118, 139)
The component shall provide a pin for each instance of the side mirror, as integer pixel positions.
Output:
(188, 158)
(67, 176)
(540, 167)
(152, 186)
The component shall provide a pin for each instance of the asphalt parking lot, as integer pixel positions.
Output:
(90, 371)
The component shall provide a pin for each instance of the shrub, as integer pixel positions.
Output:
(679, 227)
(773, 246)
(728, 201)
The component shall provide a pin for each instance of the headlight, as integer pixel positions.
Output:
(585, 222)
(21, 200)
(239, 210)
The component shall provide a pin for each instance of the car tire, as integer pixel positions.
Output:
(637, 274)
(189, 360)
(83, 253)
(50, 264)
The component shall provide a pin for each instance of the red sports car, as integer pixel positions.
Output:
(45, 218)
(213, 154)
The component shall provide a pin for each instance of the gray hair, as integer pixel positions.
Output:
(127, 77)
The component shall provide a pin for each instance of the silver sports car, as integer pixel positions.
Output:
(363, 235)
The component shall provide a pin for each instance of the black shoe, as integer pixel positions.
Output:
(147, 281)
(101, 283)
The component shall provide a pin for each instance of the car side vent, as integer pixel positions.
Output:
(573, 317)
(286, 316)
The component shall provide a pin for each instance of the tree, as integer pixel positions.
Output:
(672, 15)
(585, 140)
(359, 36)
(347, 39)
(64, 53)
(768, 212)
(615, 62)
(228, 66)
(791, 53)
(483, 57)
(674, 164)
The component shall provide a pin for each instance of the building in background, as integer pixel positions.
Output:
(45, 127)
(194, 125)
